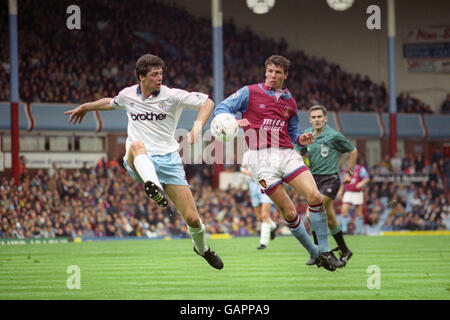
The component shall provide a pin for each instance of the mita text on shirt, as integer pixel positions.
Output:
(148, 116)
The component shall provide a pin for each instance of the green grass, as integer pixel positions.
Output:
(411, 267)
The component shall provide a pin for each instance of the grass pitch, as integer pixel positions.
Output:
(411, 267)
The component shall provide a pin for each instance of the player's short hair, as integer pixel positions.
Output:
(146, 62)
(318, 107)
(279, 61)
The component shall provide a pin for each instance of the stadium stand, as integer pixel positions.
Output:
(100, 66)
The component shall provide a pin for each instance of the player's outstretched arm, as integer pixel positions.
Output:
(351, 162)
(203, 115)
(77, 114)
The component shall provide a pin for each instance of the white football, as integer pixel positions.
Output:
(224, 127)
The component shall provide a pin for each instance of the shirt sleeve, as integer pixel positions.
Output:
(293, 129)
(189, 100)
(363, 174)
(237, 102)
(342, 144)
(118, 102)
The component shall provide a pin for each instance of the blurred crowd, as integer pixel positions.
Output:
(416, 206)
(61, 65)
(105, 201)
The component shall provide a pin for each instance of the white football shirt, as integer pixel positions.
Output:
(153, 120)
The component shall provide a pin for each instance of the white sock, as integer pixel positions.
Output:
(265, 233)
(145, 168)
(273, 225)
(198, 237)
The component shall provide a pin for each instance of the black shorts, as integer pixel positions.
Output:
(328, 184)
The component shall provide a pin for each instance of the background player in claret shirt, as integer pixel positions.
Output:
(354, 195)
(151, 157)
(261, 203)
(271, 126)
(323, 157)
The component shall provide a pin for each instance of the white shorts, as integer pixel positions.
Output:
(273, 166)
(355, 198)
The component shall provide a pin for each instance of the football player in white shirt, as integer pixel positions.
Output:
(151, 157)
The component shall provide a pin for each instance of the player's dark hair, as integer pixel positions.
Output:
(279, 61)
(145, 63)
(318, 107)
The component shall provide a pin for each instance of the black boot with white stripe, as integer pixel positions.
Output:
(156, 193)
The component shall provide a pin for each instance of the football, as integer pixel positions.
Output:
(224, 127)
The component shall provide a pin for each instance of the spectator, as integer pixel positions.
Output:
(396, 164)
(22, 167)
(101, 167)
(85, 170)
(420, 163)
(52, 170)
(407, 164)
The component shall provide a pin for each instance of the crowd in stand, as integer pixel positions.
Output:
(106, 201)
(61, 65)
(416, 206)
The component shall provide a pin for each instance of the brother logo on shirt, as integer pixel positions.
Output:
(148, 116)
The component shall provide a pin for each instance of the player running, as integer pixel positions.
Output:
(261, 203)
(151, 156)
(354, 195)
(270, 121)
(323, 157)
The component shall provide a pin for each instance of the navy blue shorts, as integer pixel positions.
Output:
(328, 184)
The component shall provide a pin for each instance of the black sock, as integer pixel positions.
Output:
(339, 237)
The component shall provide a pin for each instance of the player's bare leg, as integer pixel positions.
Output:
(182, 198)
(258, 213)
(305, 185)
(139, 161)
(331, 214)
